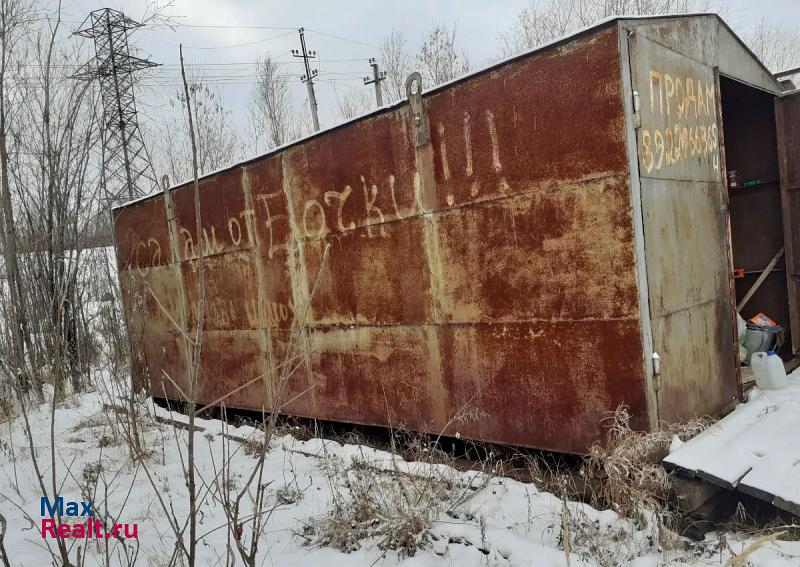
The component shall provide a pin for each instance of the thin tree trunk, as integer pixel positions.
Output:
(3, 554)
(198, 332)
(9, 242)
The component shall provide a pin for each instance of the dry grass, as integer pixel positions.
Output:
(391, 502)
(626, 474)
(255, 444)
(740, 559)
(393, 509)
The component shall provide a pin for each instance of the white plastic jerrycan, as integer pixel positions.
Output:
(768, 370)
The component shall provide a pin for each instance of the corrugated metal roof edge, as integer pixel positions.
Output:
(386, 108)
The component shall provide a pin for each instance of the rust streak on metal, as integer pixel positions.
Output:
(494, 263)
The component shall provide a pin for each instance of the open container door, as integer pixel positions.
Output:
(684, 216)
(787, 117)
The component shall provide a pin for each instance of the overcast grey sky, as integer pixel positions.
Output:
(229, 52)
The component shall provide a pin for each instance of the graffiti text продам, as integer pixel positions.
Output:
(688, 104)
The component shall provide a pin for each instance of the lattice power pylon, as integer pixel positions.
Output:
(127, 169)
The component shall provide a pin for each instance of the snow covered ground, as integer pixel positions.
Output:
(475, 519)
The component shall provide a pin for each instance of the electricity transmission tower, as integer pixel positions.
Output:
(377, 78)
(308, 78)
(126, 163)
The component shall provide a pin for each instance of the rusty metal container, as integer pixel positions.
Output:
(514, 245)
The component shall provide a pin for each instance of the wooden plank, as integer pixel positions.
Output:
(786, 505)
(717, 481)
(754, 450)
(760, 280)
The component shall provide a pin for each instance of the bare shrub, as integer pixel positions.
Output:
(626, 473)
(438, 57)
(379, 505)
(392, 501)
(299, 431)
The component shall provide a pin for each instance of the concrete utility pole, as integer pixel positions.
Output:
(377, 77)
(308, 78)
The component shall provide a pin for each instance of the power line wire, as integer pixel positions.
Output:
(238, 44)
(204, 64)
(221, 26)
(344, 39)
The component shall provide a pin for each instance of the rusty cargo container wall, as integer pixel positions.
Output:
(482, 251)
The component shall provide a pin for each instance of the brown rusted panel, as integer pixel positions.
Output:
(132, 300)
(359, 175)
(269, 218)
(222, 203)
(233, 369)
(562, 253)
(166, 360)
(788, 122)
(231, 295)
(149, 296)
(356, 189)
(547, 384)
(526, 126)
(365, 375)
(371, 281)
(378, 376)
(290, 362)
(154, 313)
(495, 265)
(141, 235)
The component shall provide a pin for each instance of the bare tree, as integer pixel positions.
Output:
(218, 143)
(396, 61)
(13, 15)
(56, 178)
(49, 178)
(545, 21)
(272, 105)
(352, 103)
(50, 130)
(438, 57)
(776, 45)
(198, 336)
